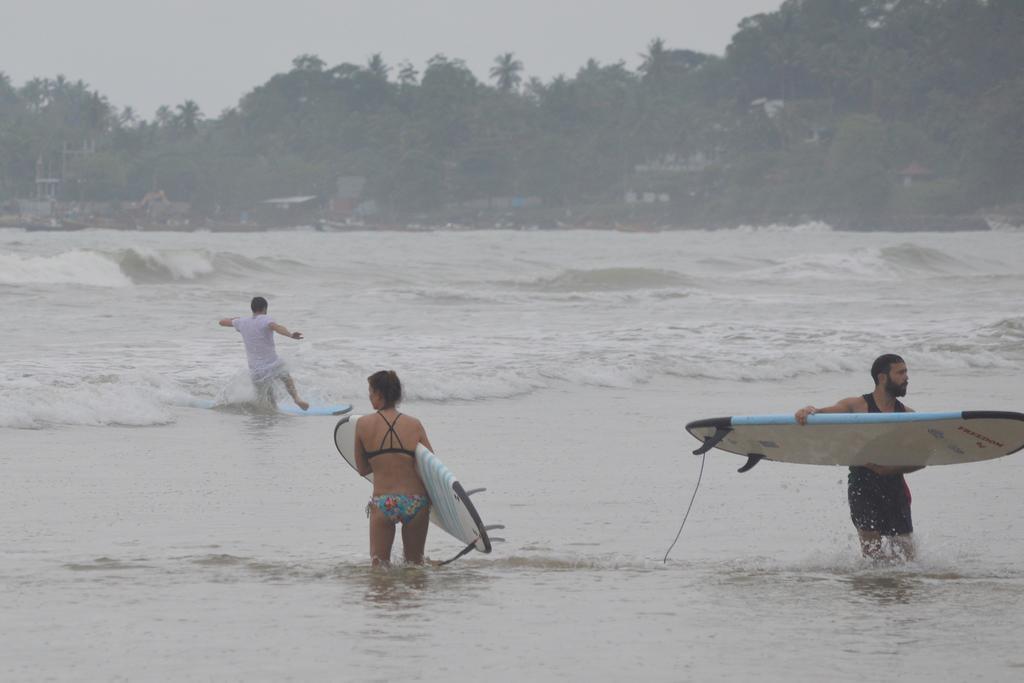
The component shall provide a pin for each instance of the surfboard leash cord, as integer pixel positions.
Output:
(461, 553)
(703, 457)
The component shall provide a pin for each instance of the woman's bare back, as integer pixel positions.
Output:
(387, 443)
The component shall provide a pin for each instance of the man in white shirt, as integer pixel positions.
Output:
(264, 364)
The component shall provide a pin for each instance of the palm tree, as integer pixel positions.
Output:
(188, 116)
(127, 118)
(407, 73)
(8, 95)
(97, 112)
(592, 69)
(659, 63)
(535, 88)
(57, 89)
(655, 62)
(376, 66)
(506, 72)
(34, 94)
(164, 116)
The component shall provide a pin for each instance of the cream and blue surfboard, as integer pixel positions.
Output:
(450, 508)
(893, 439)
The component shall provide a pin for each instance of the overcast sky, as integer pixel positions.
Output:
(146, 53)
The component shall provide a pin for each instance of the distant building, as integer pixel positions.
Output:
(349, 203)
(288, 211)
(490, 203)
(37, 208)
(771, 108)
(677, 163)
(347, 197)
(46, 183)
(658, 180)
(634, 197)
(915, 172)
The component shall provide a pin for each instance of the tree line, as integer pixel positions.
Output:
(812, 111)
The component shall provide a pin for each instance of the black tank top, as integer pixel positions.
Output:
(873, 407)
(863, 477)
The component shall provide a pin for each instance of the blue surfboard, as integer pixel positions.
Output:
(289, 408)
(334, 409)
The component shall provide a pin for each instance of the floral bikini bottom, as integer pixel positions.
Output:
(398, 507)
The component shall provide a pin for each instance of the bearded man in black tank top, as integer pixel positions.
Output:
(879, 496)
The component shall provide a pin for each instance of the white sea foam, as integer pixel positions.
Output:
(488, 367)
(79, 267)
(1008, 329)
(497, 315)
(33, 404)
(810, 226)
(504, 371)
(609, 279)
(443, 369)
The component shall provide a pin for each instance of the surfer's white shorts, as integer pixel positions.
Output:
(277, 370)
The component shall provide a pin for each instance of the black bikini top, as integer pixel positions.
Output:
(390, 437)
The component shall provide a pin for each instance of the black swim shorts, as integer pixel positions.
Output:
(879, 503)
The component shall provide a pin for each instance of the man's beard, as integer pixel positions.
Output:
(895, 390)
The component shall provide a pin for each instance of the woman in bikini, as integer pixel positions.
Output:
(386, 446)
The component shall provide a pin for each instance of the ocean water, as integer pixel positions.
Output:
(148, 538)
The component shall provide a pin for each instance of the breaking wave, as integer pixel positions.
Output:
(896, 262)
(609, 279)
(462, 368)
(1009, 329)
(921, 259)
(121, 268)
(812, 226)
(73, 267)
(35, 402)
(145, 266)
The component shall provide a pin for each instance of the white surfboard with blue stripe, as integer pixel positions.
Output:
(893, 439)
(451, 507)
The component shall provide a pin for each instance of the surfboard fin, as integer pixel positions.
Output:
(713, 440)
(472, 491)
(752, 459)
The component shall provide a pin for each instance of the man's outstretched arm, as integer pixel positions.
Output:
(227, 322)
(281, 329)
(846, 405)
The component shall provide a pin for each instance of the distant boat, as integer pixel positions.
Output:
(326, 225)
(56, 224)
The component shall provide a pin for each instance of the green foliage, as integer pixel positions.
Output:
(866, 88)
(928, 197)
(857, 169)
(993, 162)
